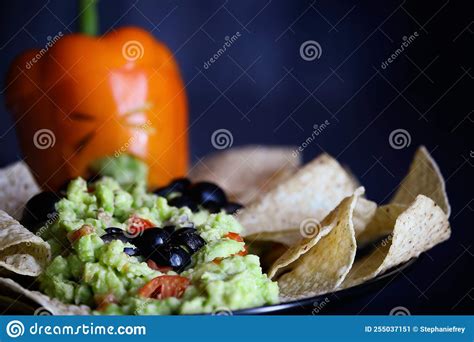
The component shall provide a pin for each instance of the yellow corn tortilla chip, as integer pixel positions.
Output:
(417, 229)
(423, 178)
(21, 251)
(269, 246)
(247, 172)
(312, 192)
(285, 237)
(46, 303)
(319, 264)
(17, 187)
(364, 211)
(378, 228)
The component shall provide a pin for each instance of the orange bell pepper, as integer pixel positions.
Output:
(87, 97)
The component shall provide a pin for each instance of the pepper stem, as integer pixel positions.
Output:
(88, 17)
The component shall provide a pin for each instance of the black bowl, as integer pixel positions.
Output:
(331, 303)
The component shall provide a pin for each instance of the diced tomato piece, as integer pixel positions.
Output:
(234, 236)
(103, 301)
(165, 286)
(243, 252)
(154, 266)
(238, 238)
(77, 234)
(137, 224)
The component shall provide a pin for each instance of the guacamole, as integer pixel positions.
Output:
(125, 169)
(96, 262)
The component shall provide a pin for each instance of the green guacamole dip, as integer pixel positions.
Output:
(89, 268)
(125, 169)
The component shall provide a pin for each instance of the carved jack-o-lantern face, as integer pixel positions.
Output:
(86, 98)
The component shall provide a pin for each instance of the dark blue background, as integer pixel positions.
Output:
(264, 92)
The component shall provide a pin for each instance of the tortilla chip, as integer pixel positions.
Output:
(319, 264)
(423, 178)
(46, 303)
(364, 211)
(247, 172)
(380, 226)
(269, 246)
(21, 251)
(312, 192)
(285, 237)
(18, 186)
(417, 229)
